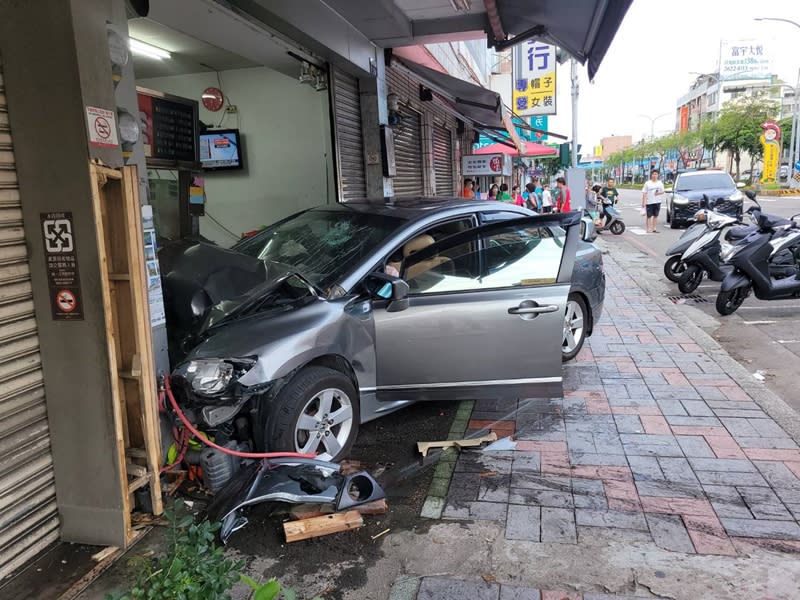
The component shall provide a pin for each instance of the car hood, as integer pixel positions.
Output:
(222, 283)
(712, 193)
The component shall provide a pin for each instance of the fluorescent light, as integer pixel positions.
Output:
(461, 5)
(139, 47)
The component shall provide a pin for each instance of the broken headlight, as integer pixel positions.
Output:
(212, 376)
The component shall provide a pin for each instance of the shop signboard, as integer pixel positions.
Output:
(771, 143)
(486, 164)
(169, 128)
(743, 59)
(533, 79)
(61, 260)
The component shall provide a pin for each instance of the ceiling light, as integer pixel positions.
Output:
(143, 49)
(461, 5)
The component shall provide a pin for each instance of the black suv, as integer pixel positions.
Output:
(683, 201)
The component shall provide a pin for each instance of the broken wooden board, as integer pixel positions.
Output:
(376, 507)
(423, 447)
(319, 526)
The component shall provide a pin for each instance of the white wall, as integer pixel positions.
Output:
(287, 148)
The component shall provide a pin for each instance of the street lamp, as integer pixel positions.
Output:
(653, 121)
(795, 142)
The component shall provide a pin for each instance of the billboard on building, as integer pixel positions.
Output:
(684, 118)
(743, 59)
(533, 81)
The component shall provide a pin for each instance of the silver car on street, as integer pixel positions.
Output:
(343, 313)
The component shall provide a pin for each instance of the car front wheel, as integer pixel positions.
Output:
(673, 222)
(575, 323)
(315, 413)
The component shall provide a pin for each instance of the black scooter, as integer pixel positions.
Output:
(750, 259)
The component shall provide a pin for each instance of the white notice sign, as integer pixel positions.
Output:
(102, 127)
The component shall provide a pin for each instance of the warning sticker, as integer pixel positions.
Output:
(102, 127)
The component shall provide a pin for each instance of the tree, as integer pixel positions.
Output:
(738, 127)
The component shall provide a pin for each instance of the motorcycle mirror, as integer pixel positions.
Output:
(751, 195)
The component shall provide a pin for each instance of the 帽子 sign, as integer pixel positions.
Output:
(533, 79)
(485, 164)
(61, 259)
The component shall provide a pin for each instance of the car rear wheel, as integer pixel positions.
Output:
(315, 413)
(674, 268)
(575, 324)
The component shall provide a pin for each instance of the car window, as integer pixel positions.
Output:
(516, 256)
(500, 215)
(428, 237)
(704, 181)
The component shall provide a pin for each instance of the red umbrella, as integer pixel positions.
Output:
(531, 149)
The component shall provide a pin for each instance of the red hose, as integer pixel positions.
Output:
(207, 442)
(184, 442)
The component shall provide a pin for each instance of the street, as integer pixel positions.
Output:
(763, 336)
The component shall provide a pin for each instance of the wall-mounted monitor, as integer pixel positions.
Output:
(221, 150)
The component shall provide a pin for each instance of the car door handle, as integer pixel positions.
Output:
(532, 310)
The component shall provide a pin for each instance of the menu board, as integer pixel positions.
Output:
(169, 127)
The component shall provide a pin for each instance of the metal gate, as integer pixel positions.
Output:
(349, 142)
(443, 161)
(28, 513)
(408, 180)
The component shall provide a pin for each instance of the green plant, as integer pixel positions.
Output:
(194, 568)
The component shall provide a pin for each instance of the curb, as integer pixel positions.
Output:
(768, 400)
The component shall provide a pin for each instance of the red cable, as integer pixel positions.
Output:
(207, 442)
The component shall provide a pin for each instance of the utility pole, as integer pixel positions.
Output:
(573, 70)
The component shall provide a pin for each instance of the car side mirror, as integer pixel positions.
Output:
(388, 287)
(740, 184)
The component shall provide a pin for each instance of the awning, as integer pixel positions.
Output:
(475, 104)
(584, 28)
(531, 149)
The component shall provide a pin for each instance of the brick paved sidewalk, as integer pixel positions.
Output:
(652, 436)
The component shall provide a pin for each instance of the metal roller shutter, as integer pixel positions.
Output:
(349, 141)
(408, 155)
(443, 161)
(28, 513)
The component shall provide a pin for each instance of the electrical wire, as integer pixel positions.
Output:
(225, 229)
(207, 442)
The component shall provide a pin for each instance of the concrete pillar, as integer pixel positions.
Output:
(56, 63)
(428, 173)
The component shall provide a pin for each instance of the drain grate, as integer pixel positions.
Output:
(696, 298)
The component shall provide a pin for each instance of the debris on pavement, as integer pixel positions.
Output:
(506, 443)
(759, 375)
(377, 535)
(423, 447)
(324, 525)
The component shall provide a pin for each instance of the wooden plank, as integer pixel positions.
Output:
(139, 482)
(108, 312)
(376, 507)
(319, 526)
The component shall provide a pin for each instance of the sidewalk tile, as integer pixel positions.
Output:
(550, 498)
(727, 502)
(677, 506)
(670, 533)
(523, 523)
(655, 424)
(764, 504)
(558, 525)
(781, 443)
(589, 493)
(558, 595)
(762, 528)
(445, 588)
(770, 454)
(694, 446)
(610, 518)
(515, 592)
(724, 446)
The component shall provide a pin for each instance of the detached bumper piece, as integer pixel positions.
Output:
(292, 480)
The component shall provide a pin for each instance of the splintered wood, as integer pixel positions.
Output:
(324, 525)
(423, 447)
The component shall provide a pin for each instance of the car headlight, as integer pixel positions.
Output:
(212, 376)
(736, 196)
(678, 199)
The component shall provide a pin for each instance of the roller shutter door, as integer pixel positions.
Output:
(28, 514)
(349, 141)
(408, 180)
(443, 161)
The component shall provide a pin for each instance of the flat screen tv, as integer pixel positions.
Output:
(221, 150)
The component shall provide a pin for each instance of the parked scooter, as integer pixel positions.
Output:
(674, 266)
(702, 257)
(610, 217)
(750, 259)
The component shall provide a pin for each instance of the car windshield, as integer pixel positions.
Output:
(705, 181)
(322, 245)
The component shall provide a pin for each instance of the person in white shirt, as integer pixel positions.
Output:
(547, 199)
(651, 200)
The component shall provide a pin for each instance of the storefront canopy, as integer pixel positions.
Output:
(531, 149)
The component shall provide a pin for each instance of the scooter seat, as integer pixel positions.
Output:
(766, 221)
(735, 234)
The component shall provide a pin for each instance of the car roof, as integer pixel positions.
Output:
(416, 207)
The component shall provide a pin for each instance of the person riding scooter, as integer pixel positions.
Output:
(609, 217)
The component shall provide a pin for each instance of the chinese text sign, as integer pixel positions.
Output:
(534, 79)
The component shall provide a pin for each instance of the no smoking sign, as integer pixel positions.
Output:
(102, 127)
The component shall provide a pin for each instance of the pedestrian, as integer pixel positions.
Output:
(652, 191)
(529, 196)
(493, 191)
(504, 196)
(477, 191)
(610, 190)
(563, 200)
(537, 189)
(468, 192)
(516, 197)
(547, 199)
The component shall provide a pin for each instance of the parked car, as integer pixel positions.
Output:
(343, 313)
(683, 199)
(783, 172)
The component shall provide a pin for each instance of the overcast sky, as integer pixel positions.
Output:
(647, 68)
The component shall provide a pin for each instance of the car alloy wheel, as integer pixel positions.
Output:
(324, 424)
(315, 413)
(574, 327)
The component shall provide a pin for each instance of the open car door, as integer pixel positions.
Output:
(485, 314)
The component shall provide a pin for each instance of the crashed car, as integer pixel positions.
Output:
(340, 314)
